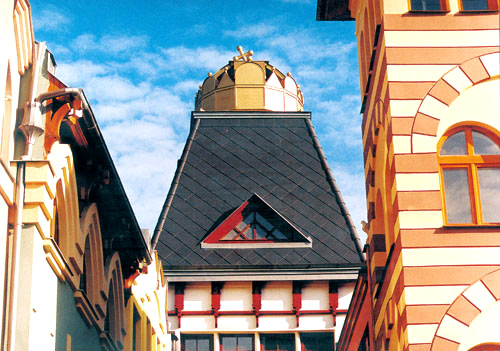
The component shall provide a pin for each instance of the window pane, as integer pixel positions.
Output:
(190, 345)
(317, 341)
(264, 222)
(489, 191)
(483, 145)
(203, 345)
(269, 342)
(471, 5)
(278, 342)
(228, 343)
(245, 343)
(196, 342)
(457, 196)
(244, 223)
(425, 5)
(279, 235)
(261, 233)
(454, 145)
(230, 235)
(286, 342)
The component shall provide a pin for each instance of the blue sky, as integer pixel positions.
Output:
(141, 62)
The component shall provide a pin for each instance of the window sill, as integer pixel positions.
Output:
(465, 12)
(426, 12)
(469, 226)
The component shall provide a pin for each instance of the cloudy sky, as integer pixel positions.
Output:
(141, 62)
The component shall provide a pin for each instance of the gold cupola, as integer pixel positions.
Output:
(247, 85)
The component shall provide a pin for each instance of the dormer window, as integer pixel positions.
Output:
(255, 224)
(469, 160)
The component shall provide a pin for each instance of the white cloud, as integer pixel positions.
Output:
(145, 155)
(79, 72)
(340, 123)
(352, 187)
(201, 58)
(115, 88)
(84, 42)
(51, 19)
(110, 44)
(115, 44)
(187, 86)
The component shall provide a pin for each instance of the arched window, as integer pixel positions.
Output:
(469, 160)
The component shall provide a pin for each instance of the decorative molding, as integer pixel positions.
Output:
(85, 308)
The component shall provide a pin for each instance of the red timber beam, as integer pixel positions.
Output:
(333, 299)
(179, 300)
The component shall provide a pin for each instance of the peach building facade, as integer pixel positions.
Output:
(429, 77)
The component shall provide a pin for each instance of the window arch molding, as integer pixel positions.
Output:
(435, 105)
(469, 167)
(114, 321)
(468, 309)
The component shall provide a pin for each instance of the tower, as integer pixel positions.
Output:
(429, 77)
(257, 246)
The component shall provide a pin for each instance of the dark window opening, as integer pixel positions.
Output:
(428, 5)
(197, 342)
(277, 342)
(317, 341)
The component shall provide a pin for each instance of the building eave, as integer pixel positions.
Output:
(193, 274)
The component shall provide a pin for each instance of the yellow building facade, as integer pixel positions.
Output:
(78, 273)
(429, 78)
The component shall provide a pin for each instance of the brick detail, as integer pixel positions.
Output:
(430, 314)
(475, 70)
(419, 200)
(444, 92)
(441, 344)
(417, 163)
(426, 125)
(419, 347)
(409, 90)
(463, 310)
(492, 283)
(402, 125)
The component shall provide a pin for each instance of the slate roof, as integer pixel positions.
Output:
(231, 155)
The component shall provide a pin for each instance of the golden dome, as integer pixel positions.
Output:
(244, 84)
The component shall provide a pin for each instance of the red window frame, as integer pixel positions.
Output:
(492, 5)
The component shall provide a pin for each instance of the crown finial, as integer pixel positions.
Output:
(243, 56)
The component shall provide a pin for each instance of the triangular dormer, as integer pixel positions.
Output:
(255, 224)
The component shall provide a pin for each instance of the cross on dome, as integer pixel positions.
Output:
(243, 56)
